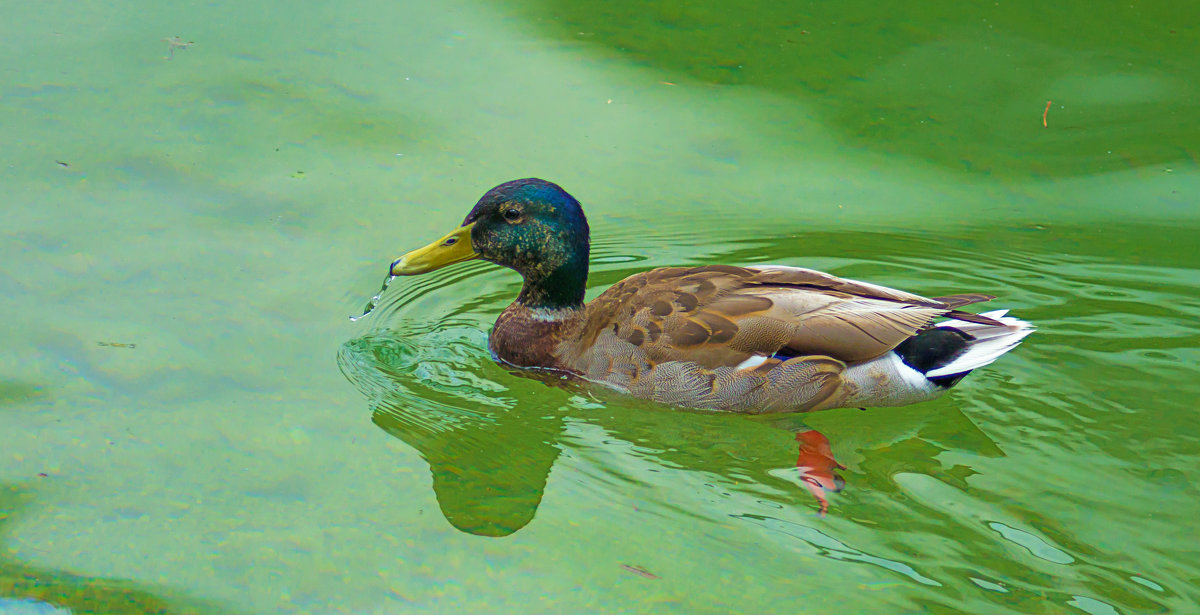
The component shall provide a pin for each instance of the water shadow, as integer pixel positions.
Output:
(491, 440)
(26, 588)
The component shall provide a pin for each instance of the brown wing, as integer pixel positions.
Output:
(720, 316)
(957, 301)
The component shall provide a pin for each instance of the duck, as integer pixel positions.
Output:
(749, 339)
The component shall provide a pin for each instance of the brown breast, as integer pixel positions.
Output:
(527, 337)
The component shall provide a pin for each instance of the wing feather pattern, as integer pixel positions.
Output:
(679, 334)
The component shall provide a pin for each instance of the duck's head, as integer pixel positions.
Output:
(530, 225)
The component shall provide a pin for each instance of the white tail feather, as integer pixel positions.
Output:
(990, 342)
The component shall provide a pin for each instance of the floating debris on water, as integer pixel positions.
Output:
(641, 572)
(173, 43)
(117, 345)
(374, 300)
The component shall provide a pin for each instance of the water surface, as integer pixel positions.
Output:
(190, 423)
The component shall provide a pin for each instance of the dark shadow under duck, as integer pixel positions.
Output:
(745, 339)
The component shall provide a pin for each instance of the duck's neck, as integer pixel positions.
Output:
(558, 290)
(529, 332)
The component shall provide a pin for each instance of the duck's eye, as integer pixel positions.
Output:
(512, 215)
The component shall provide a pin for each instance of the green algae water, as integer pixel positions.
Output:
(198, 195)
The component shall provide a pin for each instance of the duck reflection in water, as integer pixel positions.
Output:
(490, 455)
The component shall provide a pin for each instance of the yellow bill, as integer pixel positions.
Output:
(453, 248)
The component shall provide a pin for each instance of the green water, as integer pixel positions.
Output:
(189, 422)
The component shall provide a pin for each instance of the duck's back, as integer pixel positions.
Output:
(752, 339)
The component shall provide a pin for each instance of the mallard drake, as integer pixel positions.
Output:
(745, 339)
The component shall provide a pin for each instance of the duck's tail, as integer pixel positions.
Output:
(929, 363)
(983, 343)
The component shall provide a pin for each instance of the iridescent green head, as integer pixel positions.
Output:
(529, 225)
